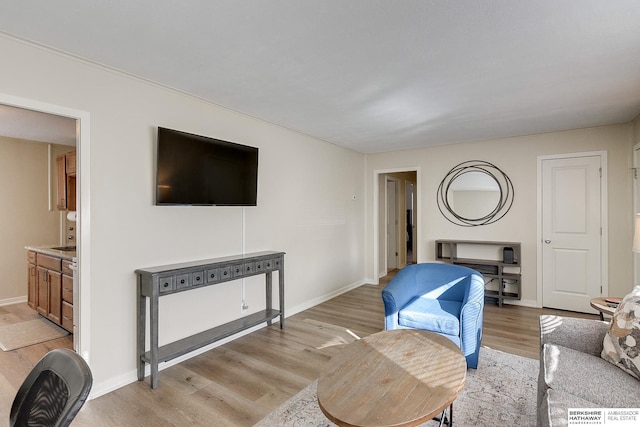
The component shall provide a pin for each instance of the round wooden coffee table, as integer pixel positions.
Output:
(392, 378)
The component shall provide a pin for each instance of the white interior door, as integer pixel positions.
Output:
(571, 232)
(392, 226)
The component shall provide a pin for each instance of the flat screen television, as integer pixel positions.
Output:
(198, 170)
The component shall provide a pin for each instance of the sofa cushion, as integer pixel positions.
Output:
(585, 376)
(621, 345)
(554, 409)
(583, 335)
(439, 316)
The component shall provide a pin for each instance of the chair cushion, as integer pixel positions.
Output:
(434, 315)
(621, 345)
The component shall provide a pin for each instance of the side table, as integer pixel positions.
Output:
(601, 304)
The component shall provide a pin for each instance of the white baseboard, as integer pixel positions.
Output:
(16, 300)
(316, 301)
(104, 387)
(115, 383)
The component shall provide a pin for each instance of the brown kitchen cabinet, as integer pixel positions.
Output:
(53, 289)
(70, 164)
(67, 296)
(66, 181)
(32, 278)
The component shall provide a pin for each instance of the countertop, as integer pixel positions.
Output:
(48, 250)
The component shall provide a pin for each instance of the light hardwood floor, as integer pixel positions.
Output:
(239, 383)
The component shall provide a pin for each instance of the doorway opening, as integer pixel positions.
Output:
(80, 119)
(396, 233)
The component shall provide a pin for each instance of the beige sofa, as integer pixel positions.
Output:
(572, 373)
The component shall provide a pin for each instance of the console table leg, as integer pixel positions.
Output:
(153, 338)
(268, 289)
(141, 330)
(281, 290)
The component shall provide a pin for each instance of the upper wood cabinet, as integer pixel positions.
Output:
(61, 182)
(71, 163)
(66, 181)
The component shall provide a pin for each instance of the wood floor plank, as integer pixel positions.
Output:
(240, 382)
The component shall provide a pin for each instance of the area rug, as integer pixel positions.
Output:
(27, 333)
(502, 391)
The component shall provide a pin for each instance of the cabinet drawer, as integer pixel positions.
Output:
(67, 316)
(166, 284)
(49, 262)
(66, 267)
(212, 275)
(225, 273)
(197, 278)
(67, 289)
(237, 270)
(277, 263)
(182, 281)
(31, 257)
(249, 267)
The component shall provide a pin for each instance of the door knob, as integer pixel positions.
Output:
(547, 241)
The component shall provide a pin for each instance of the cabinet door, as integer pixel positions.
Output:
(42, 294)
(32, 293)
(71, 163)
(67, 288)
(55, 297)
(71, 192)
(67, 316)
(61, 182)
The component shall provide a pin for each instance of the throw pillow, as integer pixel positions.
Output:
(621, 344)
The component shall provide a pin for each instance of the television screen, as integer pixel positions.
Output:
(198, 170)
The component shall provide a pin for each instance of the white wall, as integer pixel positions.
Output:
(25, 218)
(305, 204)
(517, 157)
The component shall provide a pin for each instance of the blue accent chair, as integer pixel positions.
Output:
(443, 298)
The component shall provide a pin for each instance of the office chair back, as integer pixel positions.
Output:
(53, 392)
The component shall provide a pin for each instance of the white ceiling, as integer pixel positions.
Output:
(372, 75)
(36, 126)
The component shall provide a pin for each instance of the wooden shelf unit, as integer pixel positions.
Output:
(508, 281)
(157, 282)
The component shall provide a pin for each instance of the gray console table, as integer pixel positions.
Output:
(156, 282)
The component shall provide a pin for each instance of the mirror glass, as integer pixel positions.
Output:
(473, 195)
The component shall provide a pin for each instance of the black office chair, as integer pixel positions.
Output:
(53, 392)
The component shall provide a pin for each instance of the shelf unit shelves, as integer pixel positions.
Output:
(502, 279)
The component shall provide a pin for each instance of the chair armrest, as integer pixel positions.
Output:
(471, 327)
(400, 290)
(584, 335)
(471, 315)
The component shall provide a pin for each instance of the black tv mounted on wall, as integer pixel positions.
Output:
(202, 171)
